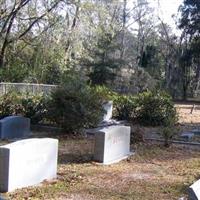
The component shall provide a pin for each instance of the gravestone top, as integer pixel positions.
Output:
(32, 141)
(194, 191)
(12, 127)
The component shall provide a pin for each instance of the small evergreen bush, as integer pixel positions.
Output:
(10, 104)
(74, 106)
(27, 105)
(125, 107)
(156, 108)
(35, 107)
(104, 93)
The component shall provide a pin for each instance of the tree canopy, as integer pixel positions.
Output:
(113, 43)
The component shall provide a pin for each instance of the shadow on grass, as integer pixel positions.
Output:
(157, 152)
(75, 158)
(192, 124)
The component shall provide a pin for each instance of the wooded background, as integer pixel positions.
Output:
(128, 48)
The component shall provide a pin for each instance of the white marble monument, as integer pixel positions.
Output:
(108, 107)
(112, 144)
(27, 162)
(194, 191)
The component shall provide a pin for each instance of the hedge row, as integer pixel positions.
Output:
(75, 106)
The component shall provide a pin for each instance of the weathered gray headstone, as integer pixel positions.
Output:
(14, 127)
(196, 131)
(112, 144)
(194, 191)
(187, 135)
(27, 162)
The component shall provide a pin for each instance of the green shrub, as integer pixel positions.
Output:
(27, 105)
(167, 133)
(124, 107)
(10, 104)
(147, 108)
(156, 108)
(104, 93)
(74, 106)
(35, 107)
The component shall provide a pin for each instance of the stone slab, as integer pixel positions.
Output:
(196, 132)
(187, 135)
(194, 191)
(14, 127)
(27, 162)
(112, 144)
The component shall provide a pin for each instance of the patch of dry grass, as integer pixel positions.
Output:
(154, 172)
(185, 115)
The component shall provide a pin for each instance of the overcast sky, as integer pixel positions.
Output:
(165, 9)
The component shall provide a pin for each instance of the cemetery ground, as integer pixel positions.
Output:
(154, 172)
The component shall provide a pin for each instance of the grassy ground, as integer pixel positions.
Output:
(152, 173)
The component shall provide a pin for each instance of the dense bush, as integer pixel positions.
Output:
(125, 107)
(10, 104)
(27, 105)
(156, 108)
(104, 93)
(75, 106)
(147, 108)
(35, 107)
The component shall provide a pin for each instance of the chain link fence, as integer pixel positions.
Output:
(26, 87)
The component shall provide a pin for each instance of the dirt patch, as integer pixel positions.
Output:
(188, 114)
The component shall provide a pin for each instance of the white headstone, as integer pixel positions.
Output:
(112, 144)
(108, 107)
(194, 191)
(27, 162)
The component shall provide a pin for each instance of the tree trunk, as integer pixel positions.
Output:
(123, 30)
(185, 92)
(197, 79)
(1, 61)
(2, 54)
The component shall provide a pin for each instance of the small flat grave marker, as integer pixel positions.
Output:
(187, 135)
(27, 162)
(196, 131)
